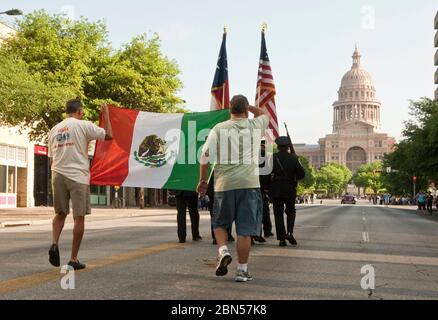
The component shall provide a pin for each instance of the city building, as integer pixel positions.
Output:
(16, 159)
(356, 138)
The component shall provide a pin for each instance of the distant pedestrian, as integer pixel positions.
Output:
(429, 202)
(421, 200)
(68, 152)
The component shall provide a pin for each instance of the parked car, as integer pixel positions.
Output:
(347, 199)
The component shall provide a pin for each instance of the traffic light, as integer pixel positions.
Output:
(414, 178)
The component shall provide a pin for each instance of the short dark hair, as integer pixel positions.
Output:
(73, 106)
(239, 104)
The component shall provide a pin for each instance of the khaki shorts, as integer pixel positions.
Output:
(65, 190)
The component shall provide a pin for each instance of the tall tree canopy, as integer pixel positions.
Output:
(417, 154)
(369, 176)
(333, 178)
(52, 59)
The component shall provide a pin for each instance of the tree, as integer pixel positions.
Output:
(58, 59)
(333, 178)
(307, 185)
(369, 176)
(417, 154)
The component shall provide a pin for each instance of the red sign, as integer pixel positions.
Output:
(42, 151)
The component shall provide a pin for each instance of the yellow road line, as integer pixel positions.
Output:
(44, 277)
(348, 256)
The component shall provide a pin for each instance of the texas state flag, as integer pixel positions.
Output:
(220, 90)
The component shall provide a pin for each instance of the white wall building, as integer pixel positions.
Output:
(16, 159)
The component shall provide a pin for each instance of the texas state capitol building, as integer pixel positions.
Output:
(356, 137)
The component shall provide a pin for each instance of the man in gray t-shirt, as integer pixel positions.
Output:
(233, 147)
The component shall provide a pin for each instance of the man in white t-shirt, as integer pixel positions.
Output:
(68, 153)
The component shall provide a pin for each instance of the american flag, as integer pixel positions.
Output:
(220, 91)
(265, 97)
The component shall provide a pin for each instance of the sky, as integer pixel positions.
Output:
(310, 44)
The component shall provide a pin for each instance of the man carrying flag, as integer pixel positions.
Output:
(220, 92)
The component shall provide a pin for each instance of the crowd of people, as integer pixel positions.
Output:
(426, 201)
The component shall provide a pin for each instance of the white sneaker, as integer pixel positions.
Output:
(224, 259)
(242, 276)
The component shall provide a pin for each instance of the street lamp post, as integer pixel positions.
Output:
(414, 179)
(13, 12)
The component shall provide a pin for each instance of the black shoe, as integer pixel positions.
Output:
(268, 234)
(231, 238)
(291, 240)
(283, 243)
(76, 265)
(182, 240)
(252, 241)
(197, 238)
(54, 256)
(260, 239)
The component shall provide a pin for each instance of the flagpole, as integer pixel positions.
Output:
(224, 87)
(264, 27)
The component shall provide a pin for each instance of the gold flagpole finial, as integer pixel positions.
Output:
(264, 27)
(225, 29)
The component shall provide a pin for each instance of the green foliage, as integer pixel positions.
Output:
(307, 185)
(369, 176)
(53, 59)
(417, 154)
(333, 178)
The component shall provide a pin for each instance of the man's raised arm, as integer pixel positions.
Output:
(107, 123)
(258, 112)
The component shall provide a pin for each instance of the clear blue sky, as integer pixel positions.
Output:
(310, 44)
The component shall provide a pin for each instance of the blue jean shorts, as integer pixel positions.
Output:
(243, 206)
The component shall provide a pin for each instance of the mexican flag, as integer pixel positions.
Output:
(153, 150)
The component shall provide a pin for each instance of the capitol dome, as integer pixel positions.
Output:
(357, 77)
(357, 97)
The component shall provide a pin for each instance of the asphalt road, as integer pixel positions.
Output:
(139, 258)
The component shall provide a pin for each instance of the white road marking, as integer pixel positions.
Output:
(365, 237)
(346, 256)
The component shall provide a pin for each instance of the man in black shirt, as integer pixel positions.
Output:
(286, 173)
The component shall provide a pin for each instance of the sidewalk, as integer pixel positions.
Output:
(44, 215)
